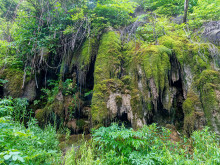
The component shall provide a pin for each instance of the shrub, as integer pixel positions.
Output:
(21, 145)
(149, 145)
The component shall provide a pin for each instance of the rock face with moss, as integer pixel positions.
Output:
(130, 82)
(68, 104)
(175, 82)
(172, 81)
(106, 82)
(209, 87)
(16, 85)
(194, 116)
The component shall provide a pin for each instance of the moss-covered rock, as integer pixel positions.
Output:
(107, 69)
(17, 85)
(145, 83)
(15, 82)
(41, 116)
(107, 65)
(208, 84)
(102, 90)
(196, 55)
(198, 59)
(156, 64)
(149, 68)
(88, 52)
(194, 116)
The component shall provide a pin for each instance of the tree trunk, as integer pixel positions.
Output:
(186, 6)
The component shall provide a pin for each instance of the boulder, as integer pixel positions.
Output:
(178, 19)
(212, 32)
(30, 91)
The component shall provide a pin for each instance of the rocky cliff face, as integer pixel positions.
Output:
(162, 83)
(173, 81)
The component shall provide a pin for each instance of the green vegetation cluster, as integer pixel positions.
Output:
(149, 145)
(69, 36)
(37, 30)
(22, 140)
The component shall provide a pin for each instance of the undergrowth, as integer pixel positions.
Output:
(149, 145)
(25, 143)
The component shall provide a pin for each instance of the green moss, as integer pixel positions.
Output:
(118, 100)
(191, 106)
(207, 84)
(126, 79)
(101, 93)
(141, 64)
(177, 44)
(148, 62)
(15, 81)
(47, 113)
(196, 55)
(209, 76)
(40, 115)
(129, 51)
(87, 53)
(107, 64)
(58, 108)
(81, 124)
(107, 69)
(156, 64)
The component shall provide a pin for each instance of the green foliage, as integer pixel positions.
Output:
(84, 155)
(37, 36)
(167, 7)
(206, 147)
(68, 132)
(57, 99)
(8, 8)
(16, 108)
(8, 57)
(13, 156)
(149, 145)
(115, 12)
(36, 30)
(67, 87)
(150, 32)
(21, 145)
(6, 107)
(204, 11)
(27, 146)
(2, 82)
